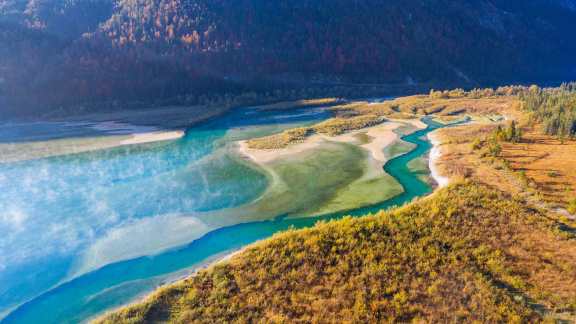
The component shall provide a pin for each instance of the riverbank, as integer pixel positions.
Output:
(32, 150)
(434, 157)
(334, 176)
(376, 138)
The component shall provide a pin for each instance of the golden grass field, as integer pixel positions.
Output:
(424, 105)
(548, 162)
(541, 165)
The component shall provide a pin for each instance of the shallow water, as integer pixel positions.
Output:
(105, 201)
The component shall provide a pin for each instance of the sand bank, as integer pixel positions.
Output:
(381, 136)
(153, 137)
(435, 155)
(23, 151)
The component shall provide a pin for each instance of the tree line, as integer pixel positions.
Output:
(554, 108)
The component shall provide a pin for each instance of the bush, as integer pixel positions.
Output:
(477, 144)
(572, 206)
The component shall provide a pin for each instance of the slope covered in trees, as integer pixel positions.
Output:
(554, 108)
(143, 49)
(466, 254)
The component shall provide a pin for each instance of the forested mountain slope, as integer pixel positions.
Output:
(64, 52)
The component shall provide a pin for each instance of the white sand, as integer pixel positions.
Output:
(153, 137)
(435, 154)
(15, 152)
(382, 135)
(266, 156)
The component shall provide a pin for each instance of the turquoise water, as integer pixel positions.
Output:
(186, 176)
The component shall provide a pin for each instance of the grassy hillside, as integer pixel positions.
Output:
(467, 253)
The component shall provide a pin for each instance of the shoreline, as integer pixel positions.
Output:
(382, 136)
(435, 155)
(34, 150)
(176, 279)
(152, 137)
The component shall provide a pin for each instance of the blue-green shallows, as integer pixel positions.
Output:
(180, 177)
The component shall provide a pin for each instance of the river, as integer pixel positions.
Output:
(92, 231)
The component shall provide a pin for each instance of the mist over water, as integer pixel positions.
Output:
(67, 215)
(125, 218)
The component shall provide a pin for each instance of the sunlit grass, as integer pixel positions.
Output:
(464, 251)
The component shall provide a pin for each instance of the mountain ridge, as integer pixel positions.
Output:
(144, 49)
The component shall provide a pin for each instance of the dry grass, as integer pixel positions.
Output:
(337, 126)
(423, 105)
(532, 251)
(278, 141)
(330, 127)
(548, 162)
(460, 160)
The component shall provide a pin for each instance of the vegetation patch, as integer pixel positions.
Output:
(398, 148)
(338, 126)
(330, 127)
(447, 106)
(363, 192)
(419, 166)
(278, 141)
(553, 108)
(467, 254)
(363, 138)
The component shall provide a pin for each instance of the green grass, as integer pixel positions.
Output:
(363, 138)
(398, 148)
(364, 192)
(419, 166)
(454, 257)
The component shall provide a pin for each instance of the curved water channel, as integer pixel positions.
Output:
(172, 173)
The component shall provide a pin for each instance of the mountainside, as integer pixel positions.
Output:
(70, 51)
